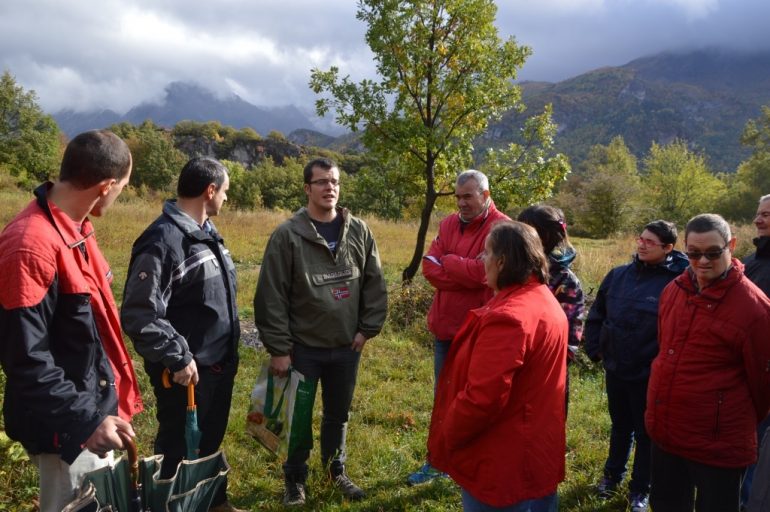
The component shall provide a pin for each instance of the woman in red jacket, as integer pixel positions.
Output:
(498, 420)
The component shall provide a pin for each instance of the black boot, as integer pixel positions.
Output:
(344, 484)
(294, 490)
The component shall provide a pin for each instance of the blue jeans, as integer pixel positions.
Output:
(546, 504)
(626, 401)
(760, 491)
(337, 370)
(440, 351)
(748, 477)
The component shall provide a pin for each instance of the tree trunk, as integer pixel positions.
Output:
(427, 210)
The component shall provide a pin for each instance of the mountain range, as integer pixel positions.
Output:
(189, 101)
(704, 97)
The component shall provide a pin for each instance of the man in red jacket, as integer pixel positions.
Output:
(710, 383)
(70, 384)
(454, 267)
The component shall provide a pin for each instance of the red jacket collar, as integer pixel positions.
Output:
(508, 291)
(479, 220)
(63, 223)
(717, 289)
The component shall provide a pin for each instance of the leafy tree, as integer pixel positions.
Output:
(376, 191)
(157, 162)
(527, 172)
(444, 75)
(602, 197)
(244, 192)
(30, 146)
(752, 179)
(678, 184)
(281, 186)
(189, 128)
(247, 134)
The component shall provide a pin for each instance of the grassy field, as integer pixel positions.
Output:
(391, 410)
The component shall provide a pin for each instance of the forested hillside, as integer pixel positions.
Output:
(704, 98)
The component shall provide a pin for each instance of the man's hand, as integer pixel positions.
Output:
(105, 438)
(279, 365)
(358, 342)
(187, 374)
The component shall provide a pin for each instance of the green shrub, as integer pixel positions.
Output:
(281, 186)
(408, 306)
(244, 192)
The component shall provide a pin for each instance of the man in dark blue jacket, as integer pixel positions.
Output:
(179, 309)
(758, 271)
(622, 331)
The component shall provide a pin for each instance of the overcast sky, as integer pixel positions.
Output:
(87, 54)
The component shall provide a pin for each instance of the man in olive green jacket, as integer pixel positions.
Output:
(321, 295)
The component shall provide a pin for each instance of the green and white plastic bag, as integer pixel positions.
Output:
(281, 412)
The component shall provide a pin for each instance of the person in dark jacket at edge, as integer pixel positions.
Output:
(70, 385)
(551, 227)
(757, 268)
(179, 309)
(710, 382)
(622, 331)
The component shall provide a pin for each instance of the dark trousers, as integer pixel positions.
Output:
(213, 395)
(627, 401)
(679, 483)
(336, 369)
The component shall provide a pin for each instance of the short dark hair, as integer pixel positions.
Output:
(706, 222)
(549, 223)
(197, 174)
(522, 252)
(322, 162)
(663, 229)
(94, 156)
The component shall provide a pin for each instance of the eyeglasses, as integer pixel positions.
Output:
(710, 255)
(323, 182)
(647, 242)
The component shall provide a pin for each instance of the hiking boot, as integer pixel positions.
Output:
(226, 506)
(294, 491)
(424, 475)
(640, 502)
(346, 486)
(606, 488)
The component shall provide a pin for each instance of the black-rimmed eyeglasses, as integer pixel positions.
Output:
(324, 181)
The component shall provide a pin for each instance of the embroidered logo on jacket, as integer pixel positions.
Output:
(340, 274)
(343, 292)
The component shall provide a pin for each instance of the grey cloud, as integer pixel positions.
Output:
(79, 54)
(567, 44)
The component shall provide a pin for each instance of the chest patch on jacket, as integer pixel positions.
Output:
(343, 292)
(336, 276)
